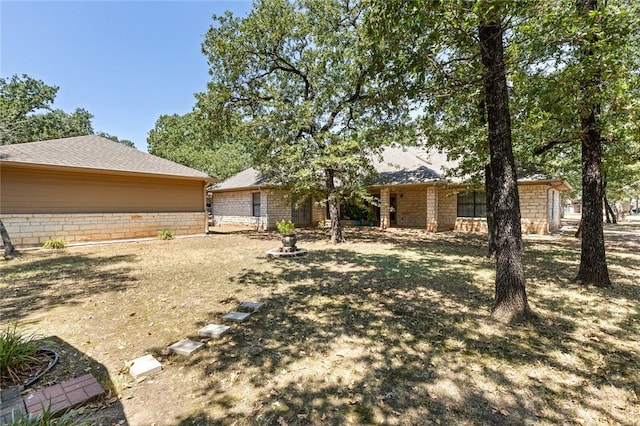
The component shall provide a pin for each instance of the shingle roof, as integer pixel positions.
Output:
(96, 153)
(396, 165)
(248, 178)
(399, 165)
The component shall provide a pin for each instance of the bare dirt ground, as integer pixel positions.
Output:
(389, 328)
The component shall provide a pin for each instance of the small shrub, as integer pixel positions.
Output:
(15, 350)
(166, 234)
(47, 419)
(285, 226)
(55, 243)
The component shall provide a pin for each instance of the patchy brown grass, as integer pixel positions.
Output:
(389, 328)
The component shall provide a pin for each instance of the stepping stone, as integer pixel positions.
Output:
(236, 316)
(144, 366)
(213, 330)
(251, 306)
(185, 347)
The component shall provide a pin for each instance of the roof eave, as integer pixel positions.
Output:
(54, 167)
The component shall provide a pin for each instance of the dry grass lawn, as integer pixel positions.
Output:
(389, 328)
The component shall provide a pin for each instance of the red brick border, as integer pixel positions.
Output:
(64, 396)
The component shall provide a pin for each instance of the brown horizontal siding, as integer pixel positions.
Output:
(43, 191)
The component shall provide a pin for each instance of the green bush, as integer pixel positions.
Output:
(285, 226)
(46, 419)
(166, 234)
(55, 243)
(15, 350)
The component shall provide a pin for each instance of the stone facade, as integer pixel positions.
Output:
(34, 229)
(447, 209)
(411, 207)
(426, 206)
(236, 208)
(539, 210)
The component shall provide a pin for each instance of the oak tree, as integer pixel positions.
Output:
(299, 73)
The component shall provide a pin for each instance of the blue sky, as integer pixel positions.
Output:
(126, 62)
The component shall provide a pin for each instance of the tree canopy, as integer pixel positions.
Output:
(300, 74)
(26, 114)
(189, 139)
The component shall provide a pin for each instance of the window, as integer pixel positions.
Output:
(472, 204)
(256, 204)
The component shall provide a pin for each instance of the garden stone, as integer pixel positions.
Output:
(185, 347)
(236, 316)
(251, 306)
(213, 330)
(144, 366)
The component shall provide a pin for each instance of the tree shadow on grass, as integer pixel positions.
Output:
(30, 284)
(404, 337)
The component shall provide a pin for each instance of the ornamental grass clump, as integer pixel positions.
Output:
(166, 234)
(55, 243)
(15, 351)
(48, 418)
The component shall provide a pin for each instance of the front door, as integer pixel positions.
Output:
(301, 215)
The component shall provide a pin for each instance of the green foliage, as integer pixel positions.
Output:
(125, 142)
(285, 226)
(300, 73)
(26, 114)
(19, 97)
(55, 243)
(15, 350)
(556, 54)
(354, 211)
(166, 234)
(191, 140)
(47, 419)
(429, 57)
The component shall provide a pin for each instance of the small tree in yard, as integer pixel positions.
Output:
(300, 73)
(9, 249)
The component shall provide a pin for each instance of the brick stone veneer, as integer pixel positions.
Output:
(34, 229)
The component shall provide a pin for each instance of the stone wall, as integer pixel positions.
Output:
(534, 209)
(34, 229)
(411, 207)
(447, 209)
(431, 224)
(236, 208)
(554, 210)
(471, 224)
(278, 208)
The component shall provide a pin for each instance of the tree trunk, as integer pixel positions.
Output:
(611, 215)
(334, 210)
(510, 295)
(579, 230)
(9, 250)
(607, 209)
(491, 223)
(593, 264)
